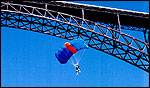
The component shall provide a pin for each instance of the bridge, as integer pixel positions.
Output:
(101, 27)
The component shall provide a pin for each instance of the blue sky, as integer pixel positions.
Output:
(28, 59)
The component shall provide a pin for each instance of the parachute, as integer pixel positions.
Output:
(65, 52)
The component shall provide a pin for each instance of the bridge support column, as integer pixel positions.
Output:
(82, 15)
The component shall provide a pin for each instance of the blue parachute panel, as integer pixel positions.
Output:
(78, 44)
(64, 54)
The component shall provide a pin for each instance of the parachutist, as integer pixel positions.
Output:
(77, 68)
(68, 50)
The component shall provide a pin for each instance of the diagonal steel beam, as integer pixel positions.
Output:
(98, 36)
(95, 40)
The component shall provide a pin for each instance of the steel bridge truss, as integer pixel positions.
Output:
(97, 9)
(97, 36)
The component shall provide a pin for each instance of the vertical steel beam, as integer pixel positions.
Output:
(119, 24)
(82, 16)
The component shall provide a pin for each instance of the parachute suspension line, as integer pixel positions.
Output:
(71, 62)
(80, 56)
(75, 58)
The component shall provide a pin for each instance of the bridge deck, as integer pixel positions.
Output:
(95, 13)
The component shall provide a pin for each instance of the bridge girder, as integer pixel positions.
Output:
(98, 36)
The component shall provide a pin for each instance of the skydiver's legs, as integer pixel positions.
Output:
(76, 72)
